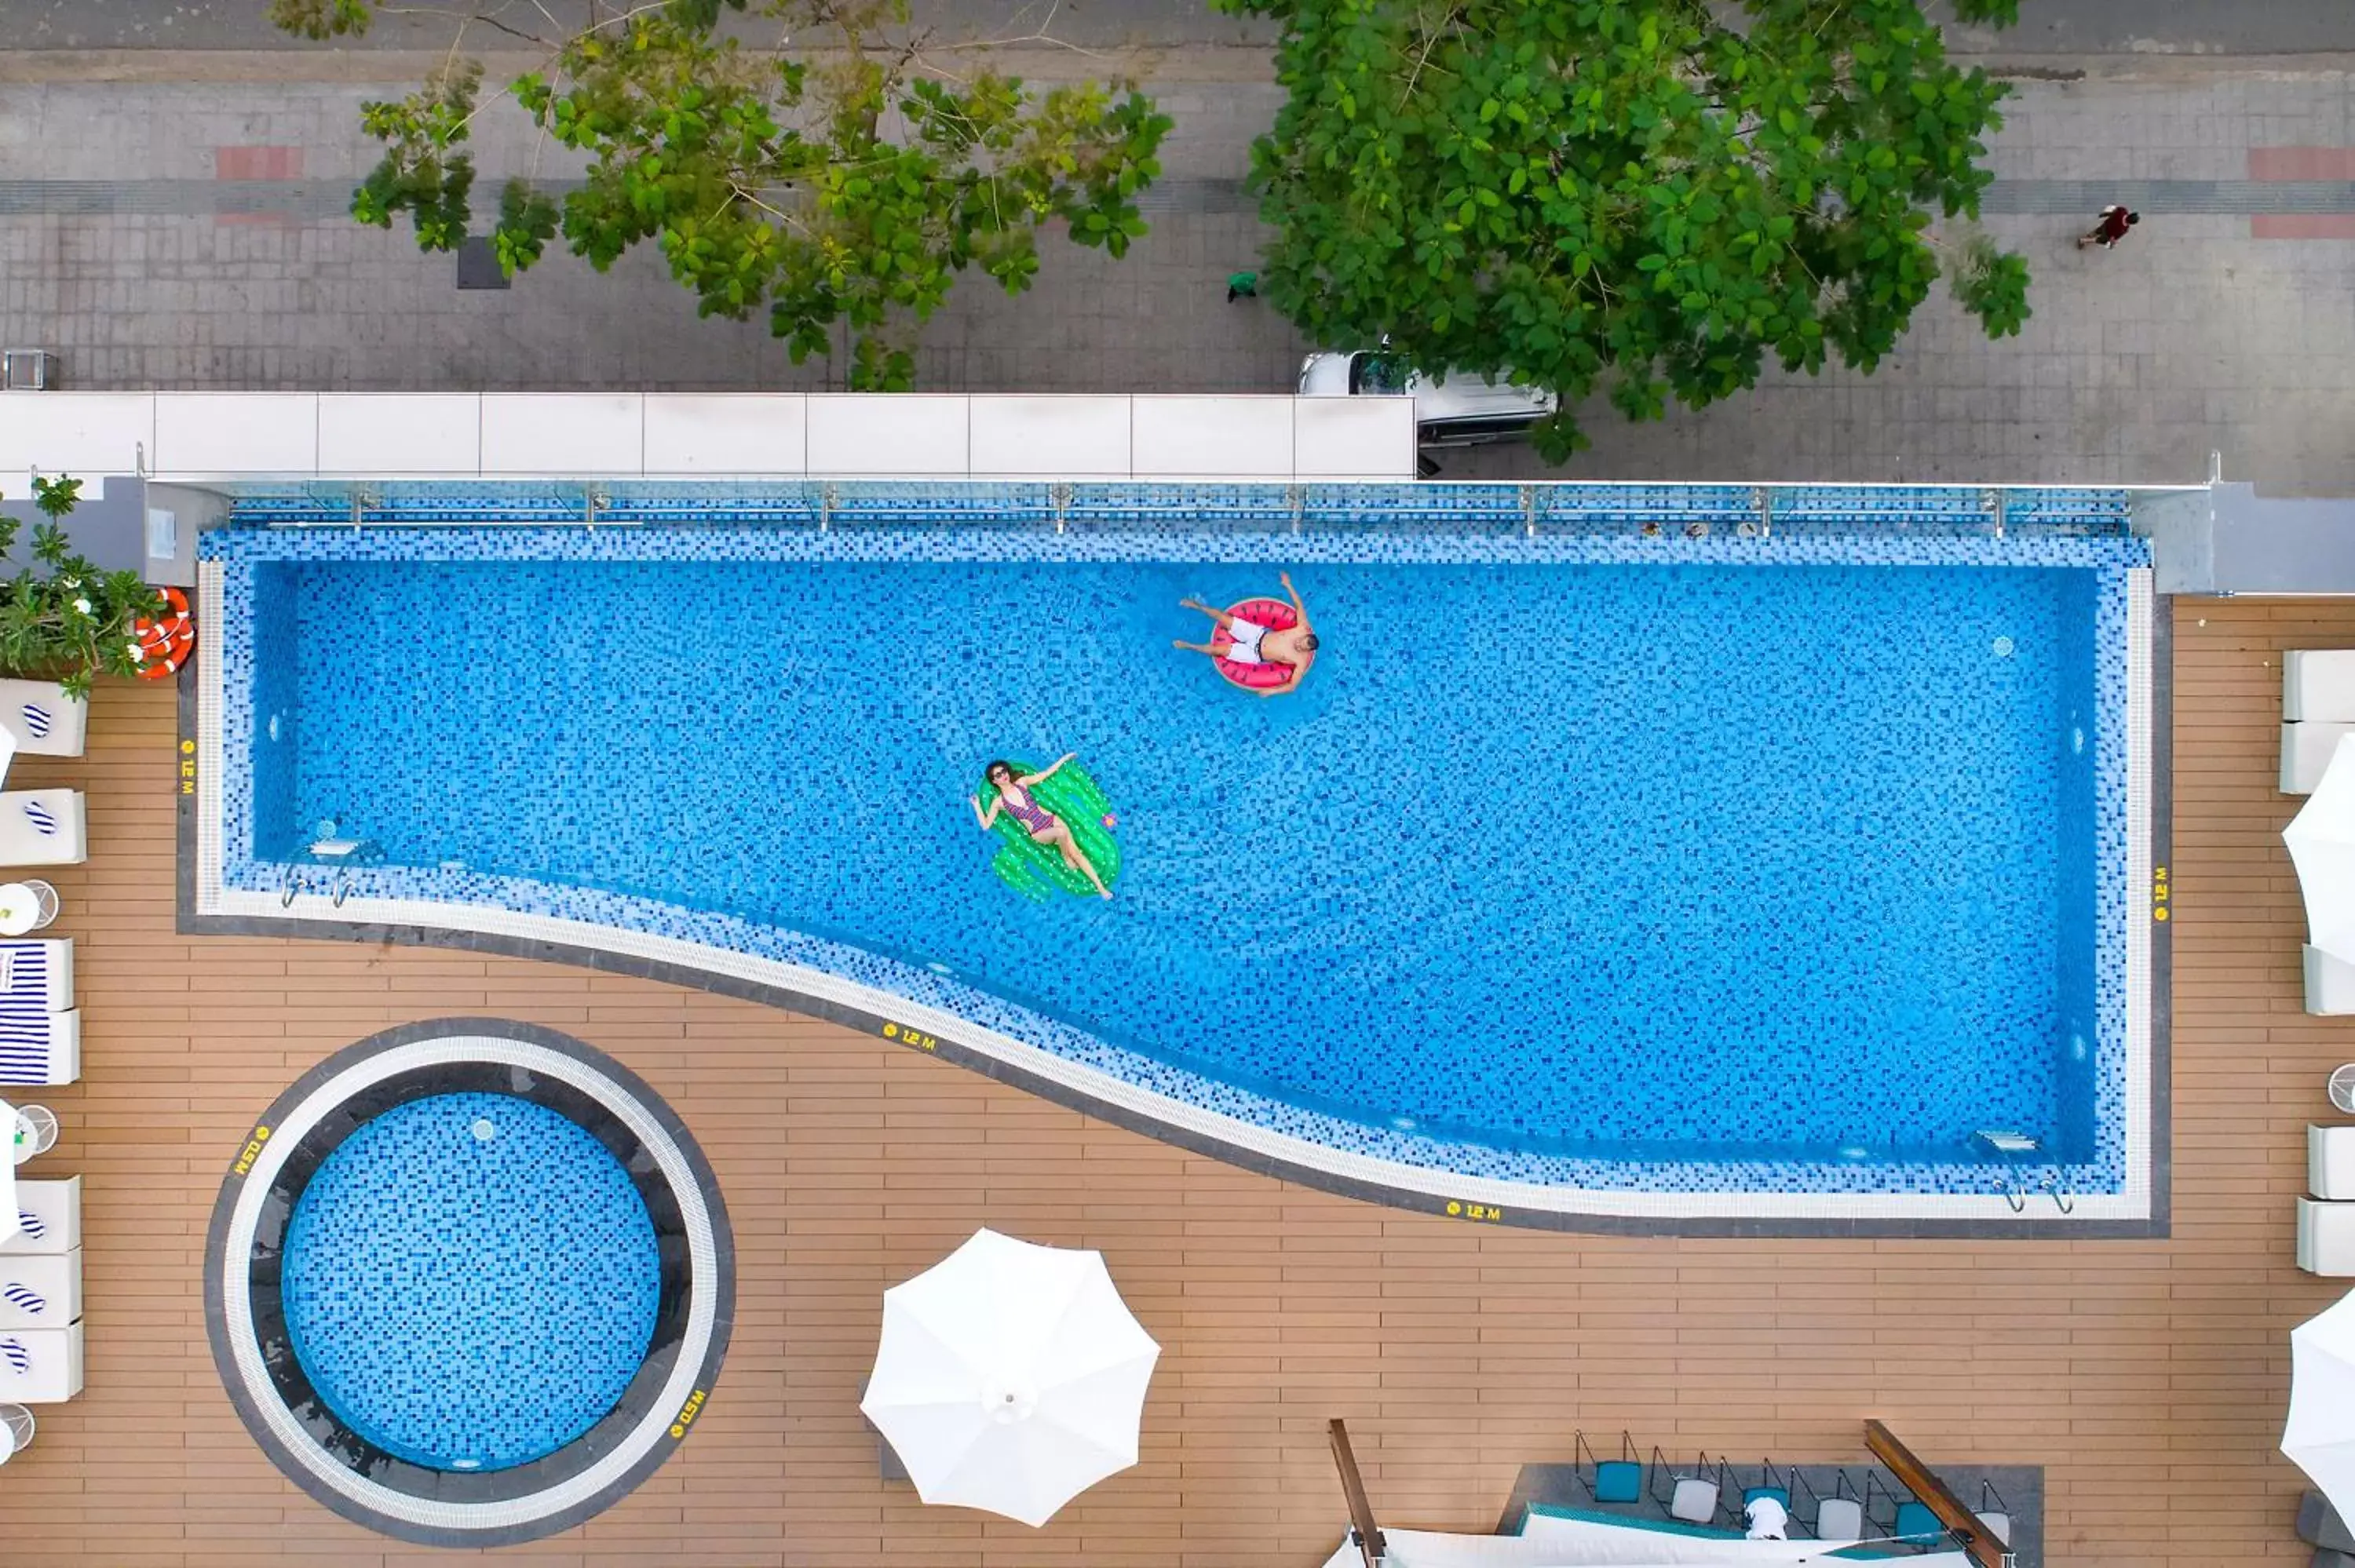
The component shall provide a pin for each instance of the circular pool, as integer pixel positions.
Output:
(469, 1282)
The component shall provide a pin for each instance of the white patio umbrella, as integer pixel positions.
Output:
(2321, 840)
(1010, 1377)
(2321, 1437)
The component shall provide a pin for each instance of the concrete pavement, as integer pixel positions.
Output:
(2052, 26)
(186, 235)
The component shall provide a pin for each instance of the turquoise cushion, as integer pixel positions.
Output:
(1915, 1519)
(1618, 1482)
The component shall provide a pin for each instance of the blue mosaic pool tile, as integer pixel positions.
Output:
(2097, 1169)
(470, 1281)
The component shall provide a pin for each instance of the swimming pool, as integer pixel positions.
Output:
(1684, 867)
(470, 1281)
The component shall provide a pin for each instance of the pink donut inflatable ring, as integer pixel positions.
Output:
(1271, 613)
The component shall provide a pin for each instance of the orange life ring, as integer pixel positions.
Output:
(162, 645)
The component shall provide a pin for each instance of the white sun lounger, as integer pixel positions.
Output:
(2326, 1237)
(45, 721)
(40, 1033)
(2319, 687)
(2329, 984)
(2305, 750)
(48, 1217)
(41, 1366)
(41, 827)
(39, 1290)
(2318, 708)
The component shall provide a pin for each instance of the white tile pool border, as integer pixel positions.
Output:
(1084, 1085)
(643, 1438)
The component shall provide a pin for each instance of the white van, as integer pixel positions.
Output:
(1460, 411)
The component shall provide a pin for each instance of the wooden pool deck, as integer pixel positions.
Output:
(2149, 1377)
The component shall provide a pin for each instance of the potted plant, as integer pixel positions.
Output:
(61, 618)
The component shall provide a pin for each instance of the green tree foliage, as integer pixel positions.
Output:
(846, 182)
(1645, 197)
(69, 621)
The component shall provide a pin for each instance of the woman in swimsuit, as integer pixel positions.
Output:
(1043, 826)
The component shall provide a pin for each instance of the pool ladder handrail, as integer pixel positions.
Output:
(2054, 1186)
(2008, 1147)
(297, 884)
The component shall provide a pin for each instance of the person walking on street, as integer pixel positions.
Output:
(2110, 228)
(1242, 286)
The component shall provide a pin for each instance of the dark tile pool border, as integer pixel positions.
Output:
(640, 1400)
(2058, 1226)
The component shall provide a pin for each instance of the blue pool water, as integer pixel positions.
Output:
(1682, 861)
(467, 1302)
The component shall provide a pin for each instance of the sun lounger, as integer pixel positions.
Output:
(2319, 687)
(41, 827)
(39, 1290)
(2329, 984)
(45, 721)
(48, 1217)
(41, 1366)
(2305, 752)
(2330, 1162)
(2326, 1238)
(40, 1033)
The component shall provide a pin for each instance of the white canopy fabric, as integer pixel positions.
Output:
(1633, 1545)
(2320, 1435)
(1010, 1378)
(2321, 840)
(1605, 1542)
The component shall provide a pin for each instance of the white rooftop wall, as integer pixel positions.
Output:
(192, 436)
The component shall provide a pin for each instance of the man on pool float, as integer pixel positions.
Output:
(1272, 659)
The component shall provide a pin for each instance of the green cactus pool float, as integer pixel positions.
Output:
(1037, 871)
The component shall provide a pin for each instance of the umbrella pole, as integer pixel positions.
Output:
(1977, 1541)
(1370, 1545)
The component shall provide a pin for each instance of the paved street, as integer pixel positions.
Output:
(189, 235)
(2058, 27)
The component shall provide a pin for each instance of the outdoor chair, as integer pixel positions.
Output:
(1881, 1506)
(1916, 1524)
(1691, 1499)
(1774, 1481)
(42, 827)
(1994, 1513)
(1838, 1517)
(15, 1431)
(1619, 1480)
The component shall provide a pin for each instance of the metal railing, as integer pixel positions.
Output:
(1547, 507)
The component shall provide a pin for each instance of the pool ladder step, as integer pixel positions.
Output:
(2012, 1147)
